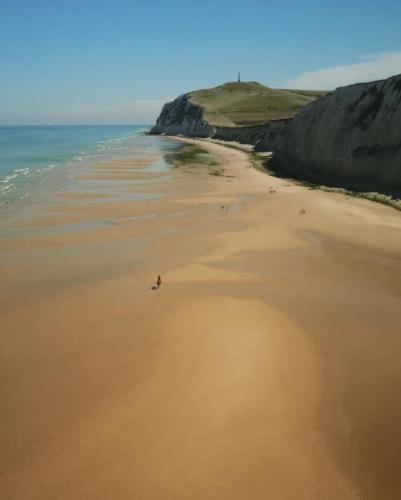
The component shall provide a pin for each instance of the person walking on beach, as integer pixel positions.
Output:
(159, 281)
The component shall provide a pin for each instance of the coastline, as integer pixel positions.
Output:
(248, 374)
(338, 139)
(36, 160)
(261, 160)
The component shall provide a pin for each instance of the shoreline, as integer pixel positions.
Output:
(337, 139)
(248, 374)
(26, 180)
(263, 157)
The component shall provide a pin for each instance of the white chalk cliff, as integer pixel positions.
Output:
(350, 137)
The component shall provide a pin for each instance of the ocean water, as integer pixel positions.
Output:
(31, 157)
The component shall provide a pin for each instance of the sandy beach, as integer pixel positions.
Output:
(267, 365)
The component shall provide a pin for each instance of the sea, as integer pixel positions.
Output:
(33, 157)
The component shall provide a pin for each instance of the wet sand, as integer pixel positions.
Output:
(266, 366)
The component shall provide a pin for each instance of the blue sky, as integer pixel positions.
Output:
(117, 62)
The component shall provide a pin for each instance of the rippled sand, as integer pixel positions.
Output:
(266, 366)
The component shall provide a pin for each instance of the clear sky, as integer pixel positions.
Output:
(117, 61)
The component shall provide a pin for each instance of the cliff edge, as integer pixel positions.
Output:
(235, 104)
(348, 138)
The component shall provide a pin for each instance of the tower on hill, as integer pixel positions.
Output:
(239, 77)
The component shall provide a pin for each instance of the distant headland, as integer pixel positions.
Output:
(347, 138)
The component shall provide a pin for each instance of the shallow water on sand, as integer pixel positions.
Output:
(37, 159)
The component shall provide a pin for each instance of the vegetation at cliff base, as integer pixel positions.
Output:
(194, 160)
(186, 153)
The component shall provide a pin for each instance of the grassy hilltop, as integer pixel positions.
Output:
(248, 103)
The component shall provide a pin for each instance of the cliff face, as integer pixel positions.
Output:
(353, 134)
(181, 116)
(235, 104)
(350, 138)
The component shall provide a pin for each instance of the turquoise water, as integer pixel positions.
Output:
(31, 156)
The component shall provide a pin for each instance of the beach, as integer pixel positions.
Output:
(265, 366)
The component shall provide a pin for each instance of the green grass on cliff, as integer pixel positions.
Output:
(248, 103)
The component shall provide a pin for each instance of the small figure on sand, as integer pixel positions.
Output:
(158, 283)
(302, 211)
